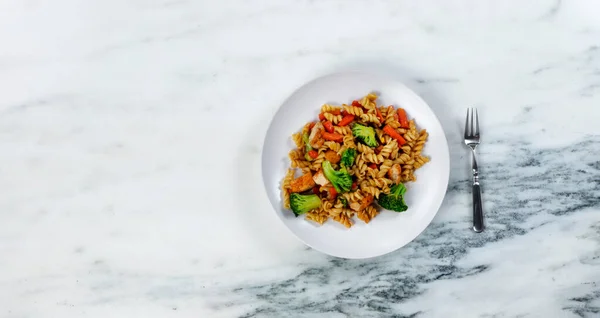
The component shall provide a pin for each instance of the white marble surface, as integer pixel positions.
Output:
(131, 135)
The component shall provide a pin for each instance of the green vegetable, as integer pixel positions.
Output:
(341, 180)
(344, 201)
(302, 203)
(348, 157)
(307, 147)
(365, 134)
(395, 200)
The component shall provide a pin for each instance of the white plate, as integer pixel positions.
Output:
(389, 230)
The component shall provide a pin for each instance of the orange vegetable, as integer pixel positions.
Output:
(335, 112)
(379, 116)
(321, 117)
(332, 193)
(402, 118)
(373, 166)
(328, 126)
(394, 134)
(332, 136)
(356, 103)
(311, 125)
(313, 154)
(346, 120)
(344, 113)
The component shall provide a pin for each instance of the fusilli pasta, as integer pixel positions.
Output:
(379, 164)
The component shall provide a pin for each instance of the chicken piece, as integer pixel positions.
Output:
(302, 183)
(320, 178)
(362, 204)
(315, 139)
(332, 156)
(394, 173)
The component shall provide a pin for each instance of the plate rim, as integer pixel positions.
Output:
(381, 75)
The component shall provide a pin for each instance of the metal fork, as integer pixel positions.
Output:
(472, 140)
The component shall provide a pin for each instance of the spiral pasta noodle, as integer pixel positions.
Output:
(326, 108)
(285, 188)
(333, 118)
(370, 118)
(354, 110)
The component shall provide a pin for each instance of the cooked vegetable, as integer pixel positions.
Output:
(313, 154)
(321, 117)
(344, 201)
(347, 119)
(332, 194)
(356, 103)
(395, 200)
(303, 183)
(394, 134)
(307, 147)
(365, 134)
(341, 180)
(348, 157)
(301, 204)
(402, 118)
(332, 136)
(373, 166)
(328, 126)
(379, 116)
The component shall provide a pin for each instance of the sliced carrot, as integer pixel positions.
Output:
(332, 193)
(346, 120)
(321, 117)
(394, 134)
(313, 154)
(402, 118)
(332, 136)
(373, 166)
(328, 126)
(379, 116)
(356, 103)
(344, 113)
(335, 112)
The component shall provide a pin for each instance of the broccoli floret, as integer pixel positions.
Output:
(344, 201)
(365, 134)
(348, 157)
(341, 180)
(395, 200)
(302, 203)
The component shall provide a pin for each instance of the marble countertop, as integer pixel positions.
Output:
(131, 134)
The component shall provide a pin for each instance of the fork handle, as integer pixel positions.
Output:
(477, 210)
